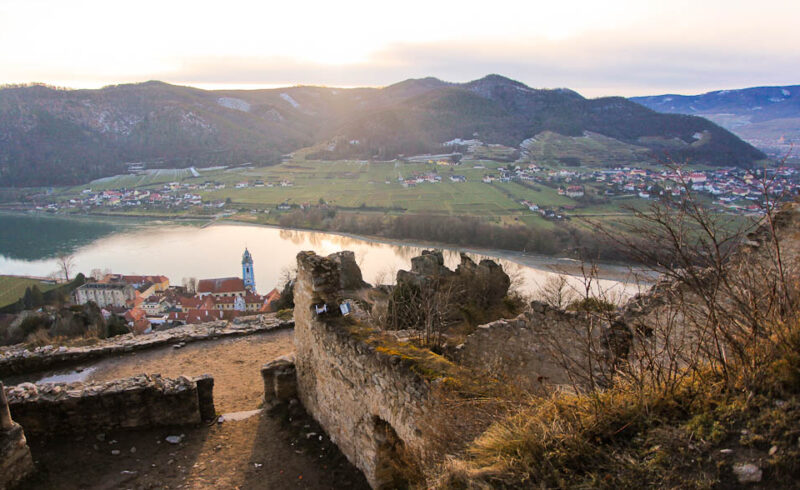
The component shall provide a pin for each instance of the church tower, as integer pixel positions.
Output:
(247, 271)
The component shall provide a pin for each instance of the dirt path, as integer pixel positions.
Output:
(281, 450)
(262, 452)
(235, 364)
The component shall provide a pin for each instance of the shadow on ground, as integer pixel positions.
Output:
(282, 449)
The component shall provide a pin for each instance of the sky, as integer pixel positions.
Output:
(598, 48)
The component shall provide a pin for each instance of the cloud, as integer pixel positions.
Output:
(593, 66)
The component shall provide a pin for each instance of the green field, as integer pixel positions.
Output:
(356, 184)
(12, 288)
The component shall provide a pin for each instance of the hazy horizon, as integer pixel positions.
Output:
(234, 86)
(620, 47)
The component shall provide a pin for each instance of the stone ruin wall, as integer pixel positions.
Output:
(16, 462)
(17, 359)
(533, 349)
(140, 401)
(365, 400)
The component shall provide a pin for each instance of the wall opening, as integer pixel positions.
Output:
(392, 466)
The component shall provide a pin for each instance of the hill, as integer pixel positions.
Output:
(55, 136)
(766, 117)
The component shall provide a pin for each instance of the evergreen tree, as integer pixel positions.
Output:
(27, 299)
(37, 298)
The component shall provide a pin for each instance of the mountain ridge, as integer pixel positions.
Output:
(59, 136)
(767, 117)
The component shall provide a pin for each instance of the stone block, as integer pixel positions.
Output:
(205, 396)
(280, 380)
(16, 462)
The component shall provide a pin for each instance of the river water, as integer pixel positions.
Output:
(29, 243)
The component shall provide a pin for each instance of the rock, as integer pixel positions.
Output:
(747, 472)
(115, 452)
(539, 306)
(133, 449)
(726, 451)
(174, 439)
(349, 272)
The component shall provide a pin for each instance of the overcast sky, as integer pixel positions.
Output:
(597, 47)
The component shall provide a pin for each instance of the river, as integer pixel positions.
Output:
(29, 244)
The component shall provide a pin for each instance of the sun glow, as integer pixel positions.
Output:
(357, 42)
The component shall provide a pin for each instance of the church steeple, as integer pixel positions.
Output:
(247, 271)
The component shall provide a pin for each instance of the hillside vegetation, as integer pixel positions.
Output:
(708, 394)
(54, 136)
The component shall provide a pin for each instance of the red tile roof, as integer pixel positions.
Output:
(142, 279)
(220, 285)
(273, 295)
(195, 302)
(202, 316)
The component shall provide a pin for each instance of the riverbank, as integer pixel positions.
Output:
(529, 259)
(613, 271)
(180, 252)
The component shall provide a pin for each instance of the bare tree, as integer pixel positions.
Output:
(556, 292)
(426, 306)
(190, 284)
(66, 262)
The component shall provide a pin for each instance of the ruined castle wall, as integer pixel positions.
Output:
(366, 401)
(140, 401)
(18, 360)
(534, 349)
(15, 457)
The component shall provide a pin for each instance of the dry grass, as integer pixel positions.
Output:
(625, 437)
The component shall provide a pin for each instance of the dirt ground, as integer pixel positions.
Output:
(235, 364)
(278, 450)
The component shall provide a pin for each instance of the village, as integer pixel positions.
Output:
(149, 302)
(729, 189)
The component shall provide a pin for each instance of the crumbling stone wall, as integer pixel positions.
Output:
(140, 401)
(545, 347)
(369, 403)
(18, 360)
(15, 457)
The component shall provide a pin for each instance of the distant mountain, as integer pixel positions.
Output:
(52, 136)
(766, 117)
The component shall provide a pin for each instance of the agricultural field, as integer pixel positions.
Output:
(147, 178)
(12, 288)
(354, 185)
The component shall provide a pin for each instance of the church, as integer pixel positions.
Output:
(231, 286)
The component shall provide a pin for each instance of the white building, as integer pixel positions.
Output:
(105, 294)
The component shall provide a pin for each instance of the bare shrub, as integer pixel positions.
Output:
(556, 292)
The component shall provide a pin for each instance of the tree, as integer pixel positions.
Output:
(426, 306)
(66, 262)
(190, 283)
